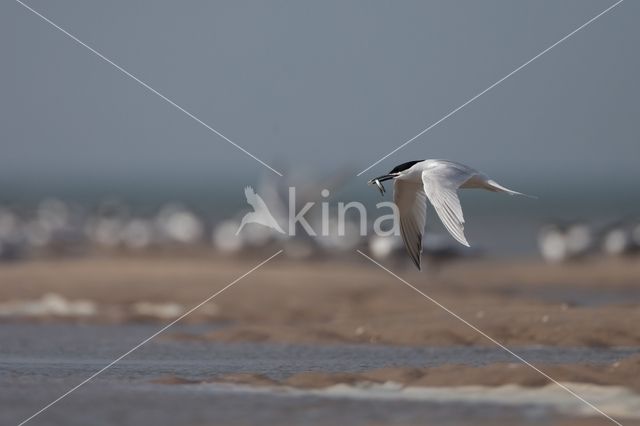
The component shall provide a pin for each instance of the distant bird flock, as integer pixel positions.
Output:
(57, 228)
(564, 242)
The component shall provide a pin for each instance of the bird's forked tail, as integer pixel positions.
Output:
(494, 186)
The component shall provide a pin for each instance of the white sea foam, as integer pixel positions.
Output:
(49, 304)
(616, 401)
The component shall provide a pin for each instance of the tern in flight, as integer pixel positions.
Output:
(437, 180)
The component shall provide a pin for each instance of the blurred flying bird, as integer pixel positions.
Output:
(437, 180)
(260, 213)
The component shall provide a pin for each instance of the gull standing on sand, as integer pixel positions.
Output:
(437, 180)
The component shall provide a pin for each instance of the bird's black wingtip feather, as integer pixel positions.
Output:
(416, 261)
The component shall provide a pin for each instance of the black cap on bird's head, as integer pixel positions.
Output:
(404, 166)
(394, 173)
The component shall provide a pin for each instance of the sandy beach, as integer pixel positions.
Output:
(590, 303)
(292, 330)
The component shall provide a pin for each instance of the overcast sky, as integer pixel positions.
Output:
(318, 84)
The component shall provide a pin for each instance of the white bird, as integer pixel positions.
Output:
(260, 213)
(437, 180)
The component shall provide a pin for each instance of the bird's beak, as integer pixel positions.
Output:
(376, 181)
(381, 179)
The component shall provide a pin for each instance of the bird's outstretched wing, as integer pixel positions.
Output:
(412, 206)
(441, 181)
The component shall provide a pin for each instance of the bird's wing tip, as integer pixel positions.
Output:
(462, 240)
(417, 262)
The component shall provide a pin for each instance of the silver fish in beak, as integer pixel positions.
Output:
(380, 187)
(378, 182)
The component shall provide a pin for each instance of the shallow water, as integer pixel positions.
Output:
(40, 362)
